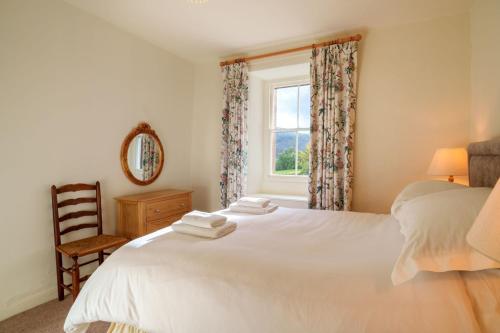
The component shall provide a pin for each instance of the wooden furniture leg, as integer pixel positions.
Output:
(76, 278)
(101, 257)
(60, 279)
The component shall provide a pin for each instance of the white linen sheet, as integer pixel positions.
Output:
(291, 271)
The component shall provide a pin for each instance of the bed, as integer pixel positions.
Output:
(294, 270)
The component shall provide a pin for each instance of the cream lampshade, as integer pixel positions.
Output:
(449, 162)
(484, 235)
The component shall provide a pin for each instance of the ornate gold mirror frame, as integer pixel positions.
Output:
(142, 128)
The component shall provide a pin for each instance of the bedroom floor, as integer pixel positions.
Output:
(45, 318)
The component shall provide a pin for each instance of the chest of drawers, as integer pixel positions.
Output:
(140, 214)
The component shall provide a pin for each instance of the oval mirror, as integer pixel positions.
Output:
(142, 155)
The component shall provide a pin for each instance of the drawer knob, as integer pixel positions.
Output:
(157, 211)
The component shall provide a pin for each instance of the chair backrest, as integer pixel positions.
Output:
(73, 215)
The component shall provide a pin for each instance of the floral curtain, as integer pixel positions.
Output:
(149, 156)
(333, 110)
(234, 132)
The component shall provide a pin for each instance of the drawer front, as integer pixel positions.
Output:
(158, 224)
(162, 209)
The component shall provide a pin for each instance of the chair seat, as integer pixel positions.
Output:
(90, 245)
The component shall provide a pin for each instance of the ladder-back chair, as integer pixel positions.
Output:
(78, 248)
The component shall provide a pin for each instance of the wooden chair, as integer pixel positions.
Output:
(79, 248)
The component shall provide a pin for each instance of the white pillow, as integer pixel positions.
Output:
(419, 188)
(435, 226)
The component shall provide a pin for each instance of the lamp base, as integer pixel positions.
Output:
(451, 179)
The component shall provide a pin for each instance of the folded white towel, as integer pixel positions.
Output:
(204, 220)
(234, 207)
(217, 232)
(254, 202)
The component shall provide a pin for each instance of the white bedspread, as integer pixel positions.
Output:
(292, 271)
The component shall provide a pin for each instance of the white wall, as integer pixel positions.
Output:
(413, 98)
(485, 69)
(205, 150)
(71, 88)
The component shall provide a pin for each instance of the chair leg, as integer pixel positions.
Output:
(101, 257)
(76, 278)
(59, 274)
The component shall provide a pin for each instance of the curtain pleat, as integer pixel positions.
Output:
(150, 156)
(333, 111)
(234, 133)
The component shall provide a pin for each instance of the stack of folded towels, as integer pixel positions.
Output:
(203, 224)
(252, 205)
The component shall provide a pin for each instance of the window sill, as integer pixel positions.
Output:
(299, 198)
(284, 200)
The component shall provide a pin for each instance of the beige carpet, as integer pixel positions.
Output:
(45, 318)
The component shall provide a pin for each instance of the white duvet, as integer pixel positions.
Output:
(291, 271)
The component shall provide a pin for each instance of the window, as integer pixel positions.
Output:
(290, 133)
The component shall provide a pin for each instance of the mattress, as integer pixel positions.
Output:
(294, 270)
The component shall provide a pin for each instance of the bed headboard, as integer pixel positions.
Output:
(484, 163)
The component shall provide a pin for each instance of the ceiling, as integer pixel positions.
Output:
(218, 28)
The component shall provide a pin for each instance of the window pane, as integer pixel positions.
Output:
(303, 156)
(286, 107)
(284, 153)
(304, 106)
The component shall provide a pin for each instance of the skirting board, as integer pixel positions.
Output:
(27, 302)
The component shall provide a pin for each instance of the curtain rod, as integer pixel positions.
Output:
(296, 49)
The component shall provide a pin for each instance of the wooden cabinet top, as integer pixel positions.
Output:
(147, 196)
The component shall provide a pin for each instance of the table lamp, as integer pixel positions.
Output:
(484, 235)
(449, 162)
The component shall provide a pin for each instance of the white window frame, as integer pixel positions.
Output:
(270, 108)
